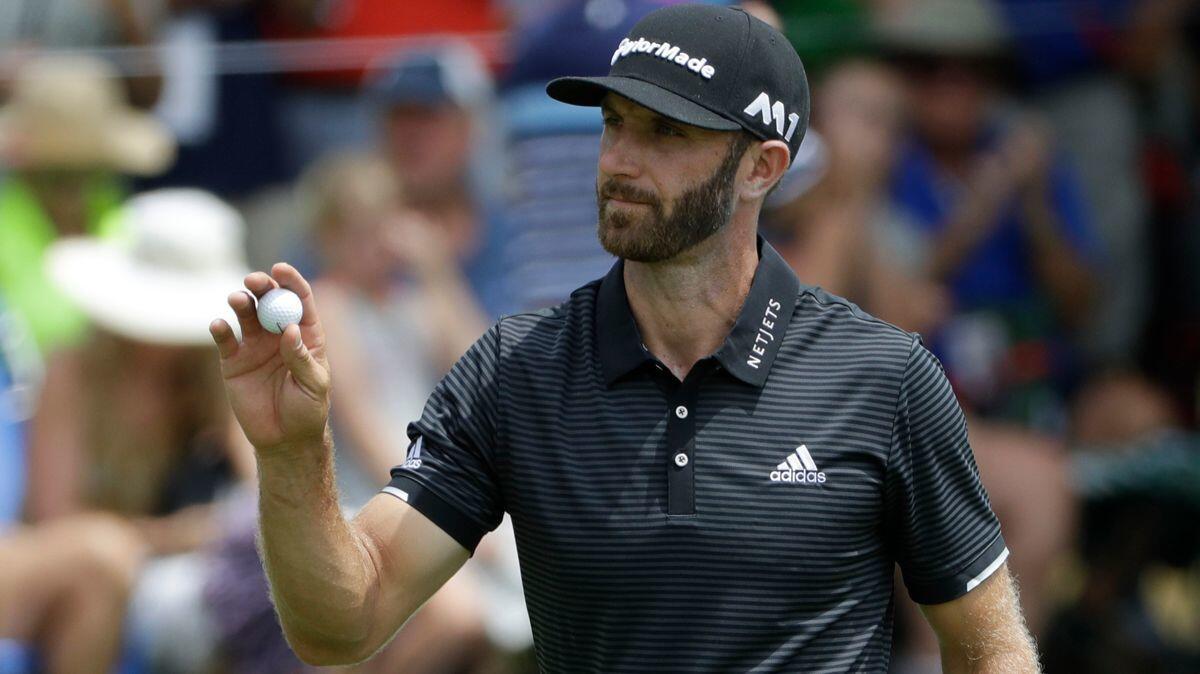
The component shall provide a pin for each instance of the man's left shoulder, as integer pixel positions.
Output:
(835, 325)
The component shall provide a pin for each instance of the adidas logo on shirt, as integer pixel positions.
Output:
(414, 455)
(799, 467)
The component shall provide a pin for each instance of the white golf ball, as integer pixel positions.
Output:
(278, 309)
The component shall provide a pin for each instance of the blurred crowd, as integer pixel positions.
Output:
(1016, 180)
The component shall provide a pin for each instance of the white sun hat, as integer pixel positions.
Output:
(165, 276)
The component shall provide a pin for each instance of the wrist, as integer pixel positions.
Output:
(297, 449)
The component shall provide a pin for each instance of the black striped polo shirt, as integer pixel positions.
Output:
(745, 519)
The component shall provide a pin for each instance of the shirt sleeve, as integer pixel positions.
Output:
(940, 524)
(448, 474)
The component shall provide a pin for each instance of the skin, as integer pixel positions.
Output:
(64, 586)
(343, 588)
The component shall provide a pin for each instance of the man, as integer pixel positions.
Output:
(708, 467)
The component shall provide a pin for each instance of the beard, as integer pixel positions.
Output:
(649, 233)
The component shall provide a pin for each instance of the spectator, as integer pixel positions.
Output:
(85, 24)
(66, 135)
(835, 225)
(399, 308)
(63, 588)
(431, 107)
(321, 110)
(1005, 226)
(1073, 61)
(133, 421)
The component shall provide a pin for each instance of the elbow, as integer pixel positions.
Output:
(323, 653)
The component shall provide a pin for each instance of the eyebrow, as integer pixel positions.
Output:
(656, 117)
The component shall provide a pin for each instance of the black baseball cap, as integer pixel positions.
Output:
(708, 66)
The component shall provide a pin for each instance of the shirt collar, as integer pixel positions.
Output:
(748, 351)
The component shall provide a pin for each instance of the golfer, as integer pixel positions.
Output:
(709, 466)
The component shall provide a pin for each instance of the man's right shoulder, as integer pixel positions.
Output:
(544, 333)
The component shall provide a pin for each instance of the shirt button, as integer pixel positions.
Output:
(681, 459)
(681, 412)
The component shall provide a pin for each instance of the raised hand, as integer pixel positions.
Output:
(278, 385)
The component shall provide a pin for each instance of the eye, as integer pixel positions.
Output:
(611, 120)
(664, 129)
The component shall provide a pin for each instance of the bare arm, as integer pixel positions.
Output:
(56, 446)
(1062, 271)
(983, 631)
(340, 589)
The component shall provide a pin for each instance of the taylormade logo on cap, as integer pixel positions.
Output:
(665, 51)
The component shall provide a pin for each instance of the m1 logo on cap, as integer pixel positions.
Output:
(665, 51)
(763, 108)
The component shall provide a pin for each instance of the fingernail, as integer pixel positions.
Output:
(299, 341)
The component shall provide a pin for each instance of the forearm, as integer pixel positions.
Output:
(1056, 263)
(321, 577)
(985, 634)
(969, 224)
(1017, 658)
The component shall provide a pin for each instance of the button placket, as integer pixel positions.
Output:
(681, 443)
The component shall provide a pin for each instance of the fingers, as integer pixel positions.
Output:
(287, 277)
(222, 334)
(260, 283)
(247, 315)
(300, 362)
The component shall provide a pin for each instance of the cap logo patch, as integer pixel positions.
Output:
(667, 52)
(773, 113)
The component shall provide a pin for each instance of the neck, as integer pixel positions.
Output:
(685, 307)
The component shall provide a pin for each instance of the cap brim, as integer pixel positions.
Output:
(589, 91)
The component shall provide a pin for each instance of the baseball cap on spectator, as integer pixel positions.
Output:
(707, 66)
(451, 74)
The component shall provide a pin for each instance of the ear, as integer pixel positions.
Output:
(770, 159)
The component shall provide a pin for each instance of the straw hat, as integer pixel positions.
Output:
(70, 112)
(968, 28)
(166, 276)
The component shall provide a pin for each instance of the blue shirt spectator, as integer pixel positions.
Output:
(999, 271)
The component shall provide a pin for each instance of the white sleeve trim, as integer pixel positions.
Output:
(983, 575)
(403, 496)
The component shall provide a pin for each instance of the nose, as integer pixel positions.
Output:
(618, 156)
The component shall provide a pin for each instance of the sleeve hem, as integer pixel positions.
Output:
(448, 518)
(952, 587)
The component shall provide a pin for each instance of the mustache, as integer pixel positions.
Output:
(615, 190)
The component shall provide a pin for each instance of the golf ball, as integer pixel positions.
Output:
(278, 309)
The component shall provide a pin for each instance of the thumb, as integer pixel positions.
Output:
(299, 360)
